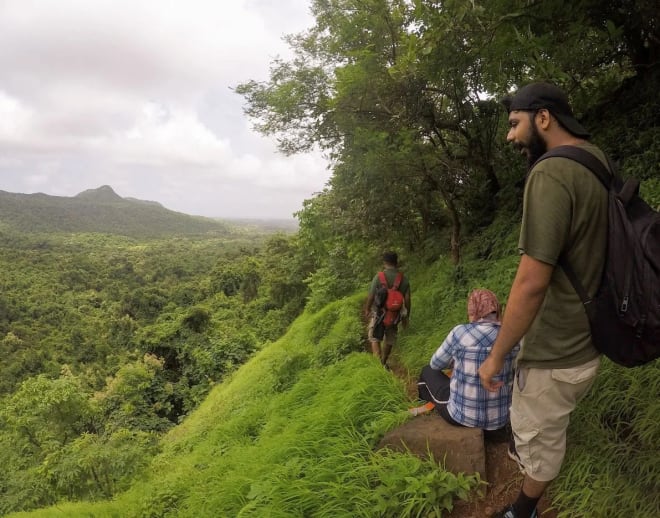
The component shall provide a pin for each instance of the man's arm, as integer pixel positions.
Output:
(406, 298)
(368, 304)
(525, 299)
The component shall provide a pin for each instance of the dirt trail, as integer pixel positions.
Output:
(504, 478)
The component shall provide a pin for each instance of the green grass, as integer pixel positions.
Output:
(293, 432)
(613, 461)
(612, 467)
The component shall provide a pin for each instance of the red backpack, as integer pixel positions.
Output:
(393, 302)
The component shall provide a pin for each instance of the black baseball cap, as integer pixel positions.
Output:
(536, 96)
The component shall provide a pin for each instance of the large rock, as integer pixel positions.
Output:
(462, 449)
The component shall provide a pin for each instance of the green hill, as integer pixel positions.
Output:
(292, 432)
(100, 211)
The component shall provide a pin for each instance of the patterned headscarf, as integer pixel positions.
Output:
(482, 303)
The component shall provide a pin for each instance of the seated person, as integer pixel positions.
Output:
(463, 351)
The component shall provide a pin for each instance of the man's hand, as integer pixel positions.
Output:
(368, 304)
(490, 368)
(527, 294)
(404, 322)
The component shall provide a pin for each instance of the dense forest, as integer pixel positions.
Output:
(164, 370)
(108, 340)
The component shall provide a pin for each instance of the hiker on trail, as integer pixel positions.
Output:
(383, 323)
(463, 351)
(564, 214)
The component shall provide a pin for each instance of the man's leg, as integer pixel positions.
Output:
(387, 349)
(374, 341)
(375, 349)
(529, 496)
(543, 400)
(390, 340)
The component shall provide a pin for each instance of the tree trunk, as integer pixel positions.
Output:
(455, 234)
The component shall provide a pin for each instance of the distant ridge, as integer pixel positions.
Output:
(100, 210)
(104, 193)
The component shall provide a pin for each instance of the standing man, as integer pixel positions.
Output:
(372, 312)
(564, 214)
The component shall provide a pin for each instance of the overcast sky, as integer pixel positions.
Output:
(136, 94)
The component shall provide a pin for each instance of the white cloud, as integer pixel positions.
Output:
(14, 118)
(136, 94)
(161, 136)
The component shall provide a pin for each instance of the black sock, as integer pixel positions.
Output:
(524, 505)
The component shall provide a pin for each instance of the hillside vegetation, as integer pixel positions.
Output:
(291, 435)
(100, 210)
(108, 342)
(226, 375)
(292, 432)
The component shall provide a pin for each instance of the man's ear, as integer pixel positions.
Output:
(543, 118)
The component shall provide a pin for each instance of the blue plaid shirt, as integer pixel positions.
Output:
(470, 404)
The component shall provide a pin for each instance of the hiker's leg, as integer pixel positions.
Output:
(390, 341)
(373, 341)
(444, 387)
(543, 400)
(529, 496)
(527, 429)
(534, 489)
(387, 349)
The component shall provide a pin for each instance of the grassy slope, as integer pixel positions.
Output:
(292, 432)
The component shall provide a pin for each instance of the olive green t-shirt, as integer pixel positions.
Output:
(390, 275)
(564, 211)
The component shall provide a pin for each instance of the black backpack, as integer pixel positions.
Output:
(624, 314)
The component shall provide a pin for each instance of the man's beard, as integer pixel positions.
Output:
(536, 146)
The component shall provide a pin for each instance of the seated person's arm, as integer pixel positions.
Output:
(443, 358)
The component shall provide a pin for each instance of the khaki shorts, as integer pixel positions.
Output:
(390, 333)
(543, 400)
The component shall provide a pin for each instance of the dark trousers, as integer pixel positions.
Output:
(443, 395)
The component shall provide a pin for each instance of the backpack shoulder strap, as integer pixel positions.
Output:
(383, 279)
(397, 280)
(605, 176)
(582, 156)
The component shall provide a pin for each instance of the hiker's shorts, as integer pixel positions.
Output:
(390, 332)
(543, 400)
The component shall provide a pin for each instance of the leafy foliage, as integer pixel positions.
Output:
(126, 338)
(305, 450)
(402, 97)
(101, 210)
(108, 342)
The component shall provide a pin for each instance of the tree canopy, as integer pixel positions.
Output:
(402, 96)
